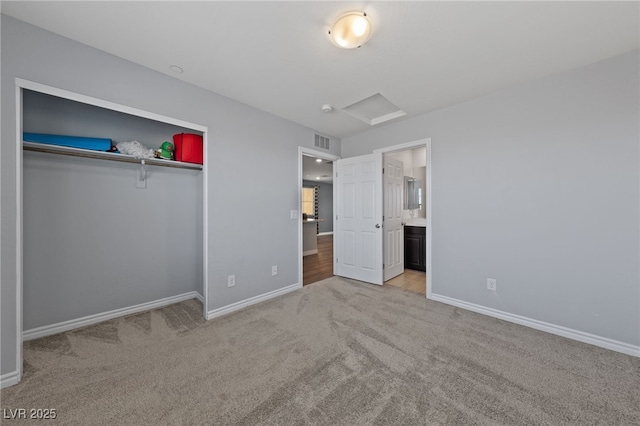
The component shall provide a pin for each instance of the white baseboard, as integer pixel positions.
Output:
(559, 330)
(308, 252)
(251, 301)
(9, 379)
(48, 330)
(325, 233)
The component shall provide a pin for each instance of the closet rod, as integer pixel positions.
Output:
(110, 156)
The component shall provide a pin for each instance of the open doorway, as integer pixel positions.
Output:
(405, 220)
(407, 233)
(316, 215)
(359, 224)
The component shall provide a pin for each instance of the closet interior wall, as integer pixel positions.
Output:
(93, 241)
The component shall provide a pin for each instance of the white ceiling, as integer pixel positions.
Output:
(317, 172)
(276, 56)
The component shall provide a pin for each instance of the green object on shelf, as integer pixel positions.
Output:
(166, 150)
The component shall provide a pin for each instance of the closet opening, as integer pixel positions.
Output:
(103, 234)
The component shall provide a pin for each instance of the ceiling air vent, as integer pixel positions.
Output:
(322, 142)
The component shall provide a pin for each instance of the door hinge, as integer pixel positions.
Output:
(336, 217)
(336, 174)
(383, 170)
(383, 266)
(336, 260)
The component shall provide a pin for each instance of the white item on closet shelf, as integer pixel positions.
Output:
(136, 149)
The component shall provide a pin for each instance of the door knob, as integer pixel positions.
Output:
(377, 225)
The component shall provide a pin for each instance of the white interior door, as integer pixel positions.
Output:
(358, 224)
(393, 239)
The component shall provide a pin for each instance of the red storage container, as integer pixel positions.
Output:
(188, 148)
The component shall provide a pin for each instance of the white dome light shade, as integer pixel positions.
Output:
(351, 30)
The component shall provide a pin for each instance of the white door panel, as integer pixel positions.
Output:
(358, 230)
(348, 255)
(394, 232)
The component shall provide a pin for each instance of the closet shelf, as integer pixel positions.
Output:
(111, 156)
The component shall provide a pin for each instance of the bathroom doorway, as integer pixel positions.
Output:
(414, 246)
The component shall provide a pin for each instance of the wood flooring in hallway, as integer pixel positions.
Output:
(317, 267)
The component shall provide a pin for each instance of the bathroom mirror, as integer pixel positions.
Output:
(412, 193)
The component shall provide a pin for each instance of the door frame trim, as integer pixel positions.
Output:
(325, 156)
(403, 147)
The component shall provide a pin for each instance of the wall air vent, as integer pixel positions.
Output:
(322, 142)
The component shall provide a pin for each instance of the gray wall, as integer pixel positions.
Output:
(325, 204)
(89, 233)
(48, 114)
(538, 186)
(240, 138)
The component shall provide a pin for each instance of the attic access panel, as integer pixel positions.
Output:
(374, 110)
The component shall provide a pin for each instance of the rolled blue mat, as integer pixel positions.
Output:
(95, 144)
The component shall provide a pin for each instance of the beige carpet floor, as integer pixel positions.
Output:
(337, 352)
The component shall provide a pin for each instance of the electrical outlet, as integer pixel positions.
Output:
(231, 280)
(491, 284)
(274, 271)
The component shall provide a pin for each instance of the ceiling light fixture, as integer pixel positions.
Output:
(318, 160)
(176, 69)
(351, 30)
